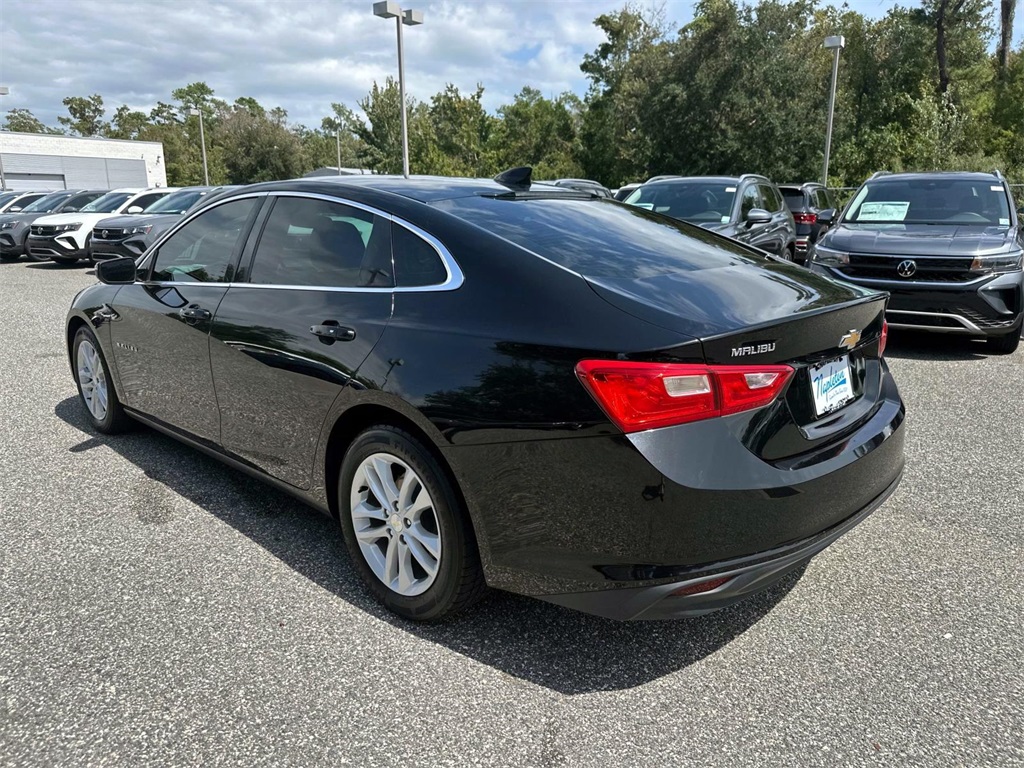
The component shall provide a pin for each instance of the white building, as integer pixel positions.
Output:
(44, 161)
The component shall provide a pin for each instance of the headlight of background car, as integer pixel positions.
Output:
(829, 256)
(143, 230)
(69, 227)
(1001, 262)
(9, 224)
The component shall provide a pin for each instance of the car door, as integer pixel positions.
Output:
(313, 301)
(161, 329)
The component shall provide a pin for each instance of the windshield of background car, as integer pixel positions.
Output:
(177, 202)
(931, 201)
(108, 203)
(699, 202)
(600, 238)
(47, 203)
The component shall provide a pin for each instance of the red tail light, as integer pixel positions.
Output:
(805, 218)
(639, 396)
(884, 338)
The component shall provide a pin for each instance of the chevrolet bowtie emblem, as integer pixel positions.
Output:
(850, 340)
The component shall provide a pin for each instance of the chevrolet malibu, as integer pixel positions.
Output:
(506, 384)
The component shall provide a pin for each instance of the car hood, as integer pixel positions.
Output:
(138, 220)
(921, 239)
(23, 219)
(710, 302)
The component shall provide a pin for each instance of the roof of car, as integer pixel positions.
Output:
(425, 189)
(923, 175)
(801, 185)
(713, 179)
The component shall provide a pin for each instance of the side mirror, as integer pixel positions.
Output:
(827, 217)
(116, 271)
(135, 209)
(69, 209)
(14, 209)
(758, 216)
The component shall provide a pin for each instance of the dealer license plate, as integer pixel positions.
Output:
(831, 385)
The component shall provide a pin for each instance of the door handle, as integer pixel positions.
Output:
(330, 331)
(194, 312)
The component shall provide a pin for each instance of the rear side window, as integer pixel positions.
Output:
(417, 263)
(318, 243)
(600, 238)
(80, 201)
(822, 200)
(144, 201)
(204, 250)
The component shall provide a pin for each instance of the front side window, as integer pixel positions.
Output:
(205, 249)
(751, 200)
(146, 201)
(771, 199)
(931, 201)
(822, 200)
(319, 243)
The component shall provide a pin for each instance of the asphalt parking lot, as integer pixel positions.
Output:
(158, 608)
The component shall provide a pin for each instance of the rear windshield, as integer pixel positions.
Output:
(931, 201)
(794, 198)
(600, 238)
(47, 203)
(699, 202)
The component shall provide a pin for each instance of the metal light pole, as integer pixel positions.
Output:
(202, 142)
(387, 10)
(337, 135)
(4, 90)
(835, 43)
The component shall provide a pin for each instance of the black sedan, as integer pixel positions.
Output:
(493, 383)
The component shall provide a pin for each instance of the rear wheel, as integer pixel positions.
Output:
(789, 253)
(95, 388)
(1004, 345)
(408, 534)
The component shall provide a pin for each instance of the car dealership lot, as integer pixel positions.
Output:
(158, 607)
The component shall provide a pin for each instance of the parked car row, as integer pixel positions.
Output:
(946, 246)
(75, 224)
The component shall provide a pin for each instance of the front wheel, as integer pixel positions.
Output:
(1004, 345)
(405, 527)
(95, 388)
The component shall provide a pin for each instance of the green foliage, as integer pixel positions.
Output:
(23, 121)
(742, 88)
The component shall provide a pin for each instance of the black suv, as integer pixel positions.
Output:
(806, 201)
(748, 208)
(947, 247)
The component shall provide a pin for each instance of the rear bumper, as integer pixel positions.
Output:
(745, 577)
(992, 305)
(613, 524)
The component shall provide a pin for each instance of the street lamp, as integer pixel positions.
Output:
(202, 141)
(337, 136)
(388, 10)
(834, 43)
(4, 90)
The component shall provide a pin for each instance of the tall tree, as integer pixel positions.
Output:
(23, 121)
(86, 115)
(1007, 9)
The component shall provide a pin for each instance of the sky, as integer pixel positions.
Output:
(299, 54)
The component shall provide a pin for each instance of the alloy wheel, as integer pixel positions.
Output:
(395, 524)
(92, 380)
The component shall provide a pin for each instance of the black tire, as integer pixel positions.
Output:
(115, 420)
(8, 257)
(459, 581)
(64, 261)
(1004, 345)
(789, 254)
(37, 259)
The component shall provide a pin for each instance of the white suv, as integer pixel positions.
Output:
(64, 237)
